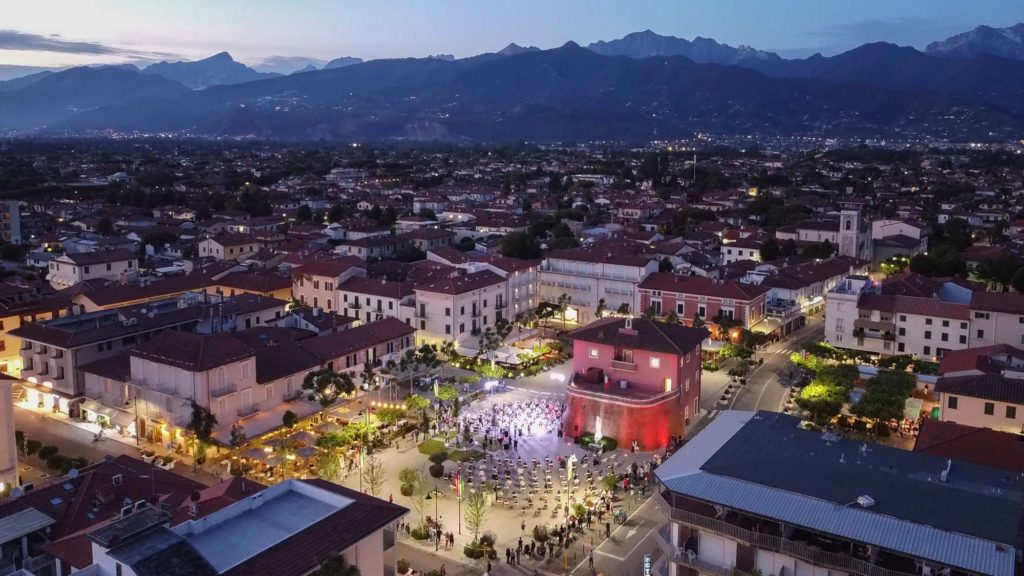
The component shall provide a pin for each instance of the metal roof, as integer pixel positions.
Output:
(765, 465)
(23, 522)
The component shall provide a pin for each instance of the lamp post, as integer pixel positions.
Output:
(437, 538)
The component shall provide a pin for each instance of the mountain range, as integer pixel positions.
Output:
(638, 88)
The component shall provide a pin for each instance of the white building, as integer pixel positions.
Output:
(588, 276)
(70, 269)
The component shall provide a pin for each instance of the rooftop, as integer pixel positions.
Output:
(759, 463)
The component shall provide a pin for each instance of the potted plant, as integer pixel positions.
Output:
(402, 566)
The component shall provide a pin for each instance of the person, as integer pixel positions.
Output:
(522, 527)
(488, 567)
(607, 529)
(391, 498)
(590, 560)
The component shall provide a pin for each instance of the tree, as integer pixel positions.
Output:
(476, 512)
(289, 419)
(665, 265)
(489, 342)
(201, 424)
(325, 386)
(330, 461)
(427, 214)
(414, 486)
(336, 213)
(601, 308)
(447, 393)
(237, 435)
(698, 322)
(104, 226)
(623, 308)
(410, 364)
(788, 248)
(562, 238)
(545, 311)
(427, 356)
(770, 250)
(368, 376)
(672, 317)
(374, 473)
(419, 404)
(563, 305)
(304, 213)
(336, 566)
(520, 245)
(1018, 281)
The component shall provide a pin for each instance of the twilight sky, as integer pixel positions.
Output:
(284, 35)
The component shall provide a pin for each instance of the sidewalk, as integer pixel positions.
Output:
(76, 438)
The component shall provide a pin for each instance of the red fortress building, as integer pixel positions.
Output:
(634, 379)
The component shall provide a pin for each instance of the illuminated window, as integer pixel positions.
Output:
(668, 384)
(593, 352)
(655, 362)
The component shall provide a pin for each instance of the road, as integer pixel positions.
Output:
(764, 389)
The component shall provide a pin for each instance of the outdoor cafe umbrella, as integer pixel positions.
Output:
(275, 460)
(274, 442)
(253, 453)
(330, 427)
(303, 437)
(306, 452)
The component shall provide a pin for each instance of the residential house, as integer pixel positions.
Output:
(70, 269)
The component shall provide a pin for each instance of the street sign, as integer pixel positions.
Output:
(647, 565)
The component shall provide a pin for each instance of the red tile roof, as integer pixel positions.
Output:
(700, 286)
(1006, 302)
(338, 344)
(979, 358)
(976, 445)
(375, 287)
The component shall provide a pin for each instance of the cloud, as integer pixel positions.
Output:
(15, 40)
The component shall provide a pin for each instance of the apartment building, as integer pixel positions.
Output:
(316, 283)
(522, 277)
(53, 352)
(589, 275)
(860, 317)
(996, 318)
(70, 269)
(230, 246)
(742, 249)
(634, 380)
(372, 299)
(754, 493)
(687, 297)
(457, 305)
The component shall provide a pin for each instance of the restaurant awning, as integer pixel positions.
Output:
(118, 417)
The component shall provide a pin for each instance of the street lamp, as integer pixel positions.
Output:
(437, 538)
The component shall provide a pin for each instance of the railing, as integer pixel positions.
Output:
(224, 390)
(354, 305)
(499, 305)
(777, 544)
(34, 563)
(475, 313)
(421, 314)
(624, 365)
(8, 570)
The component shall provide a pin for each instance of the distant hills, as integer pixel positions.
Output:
(641, 87)
(701, 50)
(1002, 42)
(217, 70)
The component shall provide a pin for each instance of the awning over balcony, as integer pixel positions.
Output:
(873, 325)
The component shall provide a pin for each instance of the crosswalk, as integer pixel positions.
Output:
(786, 351)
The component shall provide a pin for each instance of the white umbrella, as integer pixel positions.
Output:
(253, 453)
(303, 437)
(275, 460)
(306, 452)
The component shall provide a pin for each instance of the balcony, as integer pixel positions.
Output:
(475, 313)
(499, 305)
(422, 314)
(224, 390)
(624, 365)
(793, 548)
(353, 305)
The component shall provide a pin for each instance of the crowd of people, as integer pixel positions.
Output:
(502, 425)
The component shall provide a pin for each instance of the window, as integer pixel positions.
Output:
(963, 325)
(952, 402)
(990, 408)
(668, 384)
(945, 337)
(927, 350)
(108, 267)
(270, 392)
(656, 363)
(701, 311)
(903, 318)
(447, 311)
(593, 352)
(927, 334)
(981, 333)
(462, 328)
(680, 308)
(86, 269)
(462, 310)
(902, 331)
(945, 323)
(447, 328)
(245, 370)
(928, 321)
(1011, 412)
(981, 315)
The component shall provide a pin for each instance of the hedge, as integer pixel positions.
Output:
(47, 451)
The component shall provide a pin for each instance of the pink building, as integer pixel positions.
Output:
(634, 379)
(688, 296)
